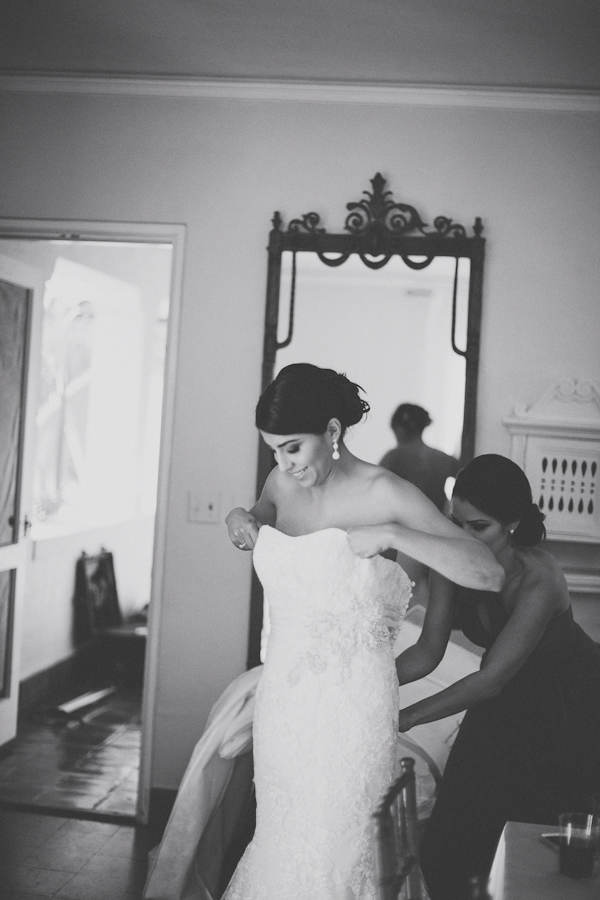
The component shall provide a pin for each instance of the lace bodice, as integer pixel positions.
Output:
(326, 603)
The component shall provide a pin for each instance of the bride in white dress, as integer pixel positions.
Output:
(326, 714)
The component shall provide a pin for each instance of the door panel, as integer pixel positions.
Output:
(14, 308)
(20, 325)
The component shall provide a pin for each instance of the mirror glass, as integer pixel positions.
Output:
(389, 330)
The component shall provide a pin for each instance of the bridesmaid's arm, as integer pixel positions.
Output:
(536, 602)
(424, 656)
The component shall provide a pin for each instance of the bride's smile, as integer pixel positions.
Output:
(306, 457)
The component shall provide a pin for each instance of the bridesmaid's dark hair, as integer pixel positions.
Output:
(304, 398)
(500, 488)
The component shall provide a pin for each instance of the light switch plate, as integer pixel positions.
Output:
(204, 507)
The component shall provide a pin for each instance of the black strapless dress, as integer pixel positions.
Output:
(526, 755)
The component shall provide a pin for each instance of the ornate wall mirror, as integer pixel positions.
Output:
(391, 301)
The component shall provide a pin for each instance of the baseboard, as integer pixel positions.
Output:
(58, 681)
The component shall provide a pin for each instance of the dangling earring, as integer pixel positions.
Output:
(336, 452)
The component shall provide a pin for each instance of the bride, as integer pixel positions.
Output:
(326, 712)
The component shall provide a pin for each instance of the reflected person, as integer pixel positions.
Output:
(425, 467)
(413, 459)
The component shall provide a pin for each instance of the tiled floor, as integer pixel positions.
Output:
(89, 764)
(44, 856)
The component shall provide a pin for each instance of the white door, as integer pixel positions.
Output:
(21, 308)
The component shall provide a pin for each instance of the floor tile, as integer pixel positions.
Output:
(127, 842)
(27, 828)
(97, 881)
(34, 880)
(84, 826)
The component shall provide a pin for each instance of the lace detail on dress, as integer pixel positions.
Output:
(325, 720)
(364, 625)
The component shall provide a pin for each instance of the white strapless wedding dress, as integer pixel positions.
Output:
(326, 716)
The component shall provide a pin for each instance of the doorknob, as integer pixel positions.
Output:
(26, 526)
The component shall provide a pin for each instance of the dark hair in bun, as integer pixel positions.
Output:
(304, 398)
(500, 488)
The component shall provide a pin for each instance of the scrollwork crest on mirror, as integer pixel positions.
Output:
(384, 235)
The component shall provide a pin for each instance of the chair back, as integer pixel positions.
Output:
(397, 840)
(96, 598)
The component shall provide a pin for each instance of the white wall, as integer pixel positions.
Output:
(222, 168)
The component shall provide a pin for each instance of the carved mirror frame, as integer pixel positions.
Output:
(376, 229)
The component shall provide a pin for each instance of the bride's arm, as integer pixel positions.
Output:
(243, 525)
(416, 527)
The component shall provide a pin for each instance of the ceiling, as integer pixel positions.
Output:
(511, 43)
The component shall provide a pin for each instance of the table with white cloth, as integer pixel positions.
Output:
(526, 868)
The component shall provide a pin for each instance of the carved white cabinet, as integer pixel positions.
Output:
(556, 441)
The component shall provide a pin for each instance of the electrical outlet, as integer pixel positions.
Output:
(204, 507)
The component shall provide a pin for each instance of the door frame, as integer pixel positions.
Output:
(140, 232)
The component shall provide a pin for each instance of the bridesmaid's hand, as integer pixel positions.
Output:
(243, 528)
(369, 540)
(405, 720)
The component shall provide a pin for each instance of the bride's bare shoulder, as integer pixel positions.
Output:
(384, 484)
(384, 480)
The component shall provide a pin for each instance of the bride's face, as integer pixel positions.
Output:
(304, 457)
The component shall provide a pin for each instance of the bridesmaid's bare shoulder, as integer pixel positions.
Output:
(541, 571)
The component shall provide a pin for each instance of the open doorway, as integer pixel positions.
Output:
(94, 479)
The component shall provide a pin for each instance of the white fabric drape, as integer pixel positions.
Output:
(187, 864)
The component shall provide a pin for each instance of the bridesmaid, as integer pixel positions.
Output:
(529, 745)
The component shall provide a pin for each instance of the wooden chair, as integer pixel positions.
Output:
(121, 643)
(396, 839)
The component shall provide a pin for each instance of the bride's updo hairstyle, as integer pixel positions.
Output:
(304, 398)
(500, 488)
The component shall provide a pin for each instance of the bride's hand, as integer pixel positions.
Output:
(243, 528)
(369, 540)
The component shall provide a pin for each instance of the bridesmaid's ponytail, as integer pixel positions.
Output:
(531, 529)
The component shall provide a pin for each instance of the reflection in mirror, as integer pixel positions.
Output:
(390, 331)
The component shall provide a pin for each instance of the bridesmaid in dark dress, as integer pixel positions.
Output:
(529, 745)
